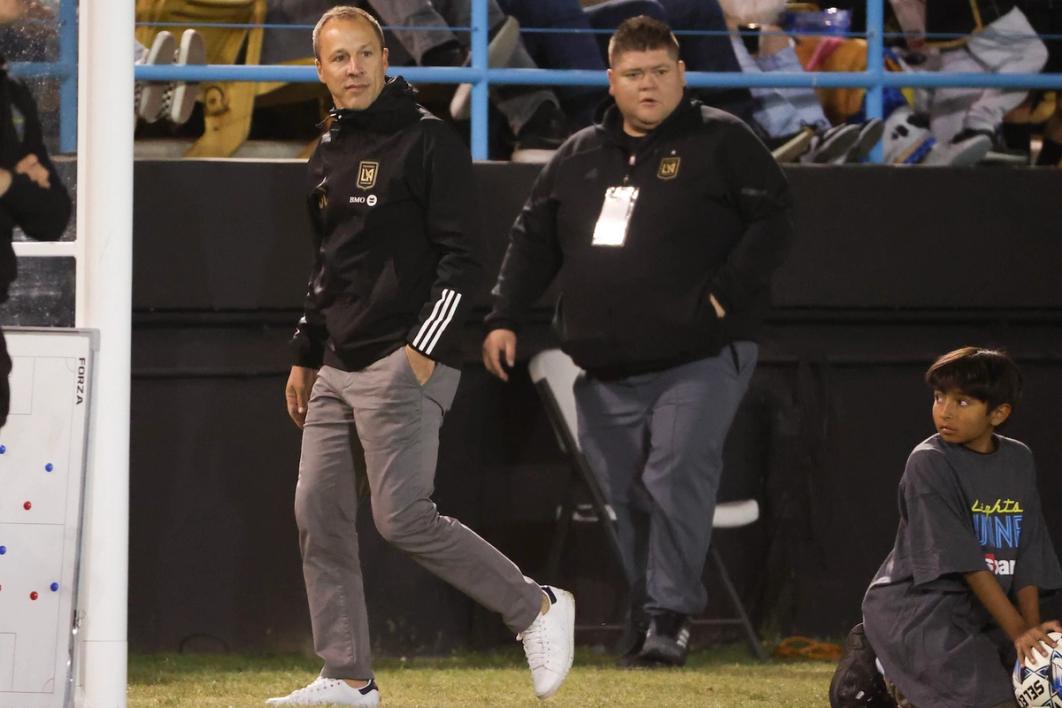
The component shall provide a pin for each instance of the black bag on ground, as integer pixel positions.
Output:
(856, 682)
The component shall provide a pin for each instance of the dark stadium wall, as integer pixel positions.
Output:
(890, 267)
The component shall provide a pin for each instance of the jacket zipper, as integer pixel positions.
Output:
(630, 168)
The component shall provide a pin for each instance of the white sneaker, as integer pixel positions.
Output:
(967, 150)
(326, 691)
(148, 97)
(550, 642)
(178, 101)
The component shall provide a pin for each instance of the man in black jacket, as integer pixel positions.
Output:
(663, 224)
(376, 359)
(32, 197)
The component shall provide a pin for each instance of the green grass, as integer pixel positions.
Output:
(725, 677)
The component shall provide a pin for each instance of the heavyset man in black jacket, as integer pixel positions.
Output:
(663, 224)
(32, 196)
(376, 359)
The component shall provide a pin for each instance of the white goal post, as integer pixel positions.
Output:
(105, 226)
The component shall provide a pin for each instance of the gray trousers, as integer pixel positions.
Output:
(656, 440)
(433, 19)
(381, 424)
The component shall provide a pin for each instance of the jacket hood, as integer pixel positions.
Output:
(609, 121)
(395, 108)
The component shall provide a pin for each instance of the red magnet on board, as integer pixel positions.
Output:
(27, 506)
(33, 595)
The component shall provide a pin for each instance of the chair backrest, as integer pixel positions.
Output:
(556, 370)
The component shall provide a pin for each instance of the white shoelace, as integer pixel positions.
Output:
(536, 643)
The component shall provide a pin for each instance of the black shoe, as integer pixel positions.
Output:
(967, 133)
(856, 682)
(446, 54)
(541, 135)
(668, 640)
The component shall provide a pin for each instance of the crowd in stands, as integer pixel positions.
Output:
(946, 126)
(956, 126)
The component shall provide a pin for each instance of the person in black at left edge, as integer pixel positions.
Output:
(32, 197)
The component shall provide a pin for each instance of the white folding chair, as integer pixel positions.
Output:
(554, 374)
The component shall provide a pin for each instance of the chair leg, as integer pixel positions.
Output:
(605, 514)
(560, 532)
(735, 600)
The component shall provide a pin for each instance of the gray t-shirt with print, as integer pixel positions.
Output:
(960, 512)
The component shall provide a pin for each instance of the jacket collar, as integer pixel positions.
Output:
(395, 108)
(609, 120)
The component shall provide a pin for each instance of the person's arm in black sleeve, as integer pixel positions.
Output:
(759, 191)
(42, 212)
(533, 256)
(308, 342)
(451, 220)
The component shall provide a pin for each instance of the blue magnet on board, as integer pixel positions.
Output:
(3, 449)
(54, 587)
(3, 550)
(49, 467)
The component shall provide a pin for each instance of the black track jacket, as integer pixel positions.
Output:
(712, 217)
(392, 202)
(42, 214)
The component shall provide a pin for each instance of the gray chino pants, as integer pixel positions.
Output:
(656, 441)
(381, 422)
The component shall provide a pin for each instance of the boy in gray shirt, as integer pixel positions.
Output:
(959, 595)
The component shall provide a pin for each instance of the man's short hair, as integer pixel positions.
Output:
(345, 12)
(641, 34)
(985, 374)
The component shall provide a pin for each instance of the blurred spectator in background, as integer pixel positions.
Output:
(564, 38)
(32, 35)
(783, 114)
(423, 28)
(32, 197)
(573, 47)
(997, 39)
(1046, 17)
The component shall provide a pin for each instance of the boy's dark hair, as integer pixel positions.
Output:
(641, 34)
(986, 374)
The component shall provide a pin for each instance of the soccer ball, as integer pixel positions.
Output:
(1039, 682)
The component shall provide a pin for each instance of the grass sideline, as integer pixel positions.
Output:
(723, 677)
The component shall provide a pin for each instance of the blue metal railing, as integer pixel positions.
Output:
(874, 79)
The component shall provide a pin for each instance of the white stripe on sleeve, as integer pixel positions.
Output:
(449, 316)
(429, 325)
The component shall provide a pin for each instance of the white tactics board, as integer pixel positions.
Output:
(42, 462)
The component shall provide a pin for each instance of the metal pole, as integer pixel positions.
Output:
(68, 82)
(875, 67)
(480, 142)
(105, 222)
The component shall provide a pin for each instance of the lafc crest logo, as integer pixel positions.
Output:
(669, 168)
(367, 172)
